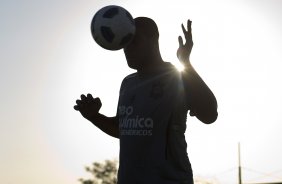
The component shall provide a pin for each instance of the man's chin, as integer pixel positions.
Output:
(132, 67)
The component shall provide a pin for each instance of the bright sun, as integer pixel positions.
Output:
(179, 66)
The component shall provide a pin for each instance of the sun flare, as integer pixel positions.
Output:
(179, 66)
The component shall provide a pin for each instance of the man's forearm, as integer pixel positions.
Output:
(109, 125)
(203, 101)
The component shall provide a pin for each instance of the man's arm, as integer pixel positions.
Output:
(89, 108)
(109, 125)
(202, 101)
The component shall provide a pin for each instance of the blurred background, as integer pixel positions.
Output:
(48, 59)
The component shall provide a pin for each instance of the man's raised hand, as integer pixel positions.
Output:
(88, 106)
(184, 50)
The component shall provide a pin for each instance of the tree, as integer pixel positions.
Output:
(103, 173)
(106, 173)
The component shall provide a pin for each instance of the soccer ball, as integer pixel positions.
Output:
(112, 27)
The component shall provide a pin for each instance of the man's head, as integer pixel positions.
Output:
(144, 48)
(148, 27)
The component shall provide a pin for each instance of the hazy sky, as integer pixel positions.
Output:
(48, 58)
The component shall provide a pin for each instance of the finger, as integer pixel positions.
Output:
(183, 29)
(79, 103)
(189, 27)
(186, 33)
(189, 23)
(76, 107)
(89, 97)
(97, 101)
(83, 97)
(180, 41)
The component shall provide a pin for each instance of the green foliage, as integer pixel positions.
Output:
(103, 173)
(106, 173)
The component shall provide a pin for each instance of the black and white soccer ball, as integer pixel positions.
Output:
(112, 27)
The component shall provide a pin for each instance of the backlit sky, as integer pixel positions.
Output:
(48, 58)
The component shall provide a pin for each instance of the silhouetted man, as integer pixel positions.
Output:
(152, 110)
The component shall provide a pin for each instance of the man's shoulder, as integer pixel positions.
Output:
(130, 76)
(129, 79)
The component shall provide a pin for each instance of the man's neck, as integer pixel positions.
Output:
(153, 67)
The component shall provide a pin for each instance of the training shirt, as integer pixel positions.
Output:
(152, 113)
